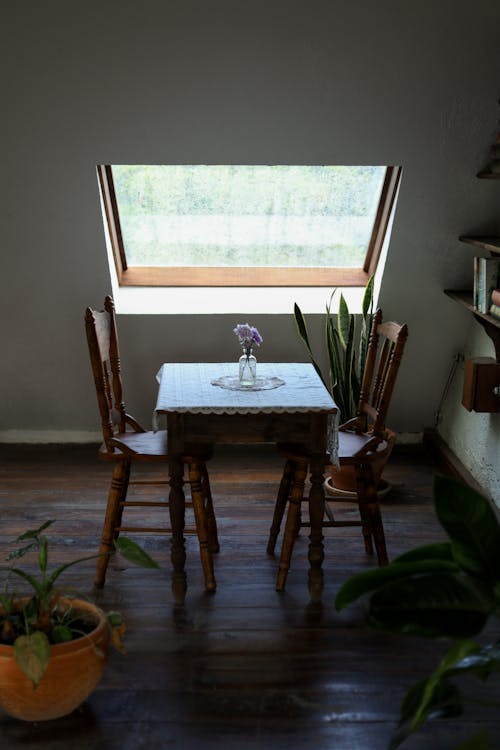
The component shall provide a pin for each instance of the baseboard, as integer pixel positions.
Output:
(409, 438)
(448, 462)
(60, 437)
(46, 437)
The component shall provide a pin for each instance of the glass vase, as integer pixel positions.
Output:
(247, 369)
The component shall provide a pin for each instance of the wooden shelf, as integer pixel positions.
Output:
(491, 325)
(487, 243)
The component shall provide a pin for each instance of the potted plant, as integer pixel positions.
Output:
(448, 590)
(346, 345)
(53, 646)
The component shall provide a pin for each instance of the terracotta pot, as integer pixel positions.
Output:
(343, 477)
(73, 672)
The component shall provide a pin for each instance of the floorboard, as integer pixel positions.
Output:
(245, 667)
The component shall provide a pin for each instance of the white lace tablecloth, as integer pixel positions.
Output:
(187, 387)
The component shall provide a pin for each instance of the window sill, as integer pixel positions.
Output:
(229, 301)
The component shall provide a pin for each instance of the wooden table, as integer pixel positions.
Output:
(299, 410)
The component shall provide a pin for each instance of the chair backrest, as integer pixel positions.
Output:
(385, 350)
(102, 338)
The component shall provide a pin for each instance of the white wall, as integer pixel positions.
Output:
(222, 81)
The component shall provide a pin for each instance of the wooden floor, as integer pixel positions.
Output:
(245, 668)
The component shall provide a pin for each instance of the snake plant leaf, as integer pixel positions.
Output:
(472, 526)
(349, 395)
(134, 553)
(376, 579)
(301, 326)
(302, 330)
(344, 322)
(336, 370)
(367, 302)
(32, 654)
(433, 605)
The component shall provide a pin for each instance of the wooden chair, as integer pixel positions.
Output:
(362, 445)
(126, 443)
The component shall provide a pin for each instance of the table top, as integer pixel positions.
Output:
(187, 387)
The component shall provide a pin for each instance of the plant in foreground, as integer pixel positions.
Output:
(446, 591)
(32, 624)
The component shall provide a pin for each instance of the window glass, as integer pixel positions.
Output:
(247, 216)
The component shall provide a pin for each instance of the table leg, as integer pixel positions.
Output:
(316, 514)
(177, 507)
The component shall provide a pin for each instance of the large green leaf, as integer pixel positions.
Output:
(438, 551)
(134, 553)
(478, 741)
(431, 687)
(481, 662)
(445, 702)
(434, 605)
(471, 525)
(437, 697)
(377, 578)
(32, 653)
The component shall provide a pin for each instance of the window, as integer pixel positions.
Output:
(244, 225)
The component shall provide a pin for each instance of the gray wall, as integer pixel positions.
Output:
(227, 81)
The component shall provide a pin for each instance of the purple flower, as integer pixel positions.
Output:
(248, 335)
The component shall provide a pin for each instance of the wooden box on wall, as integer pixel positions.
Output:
(481, 380)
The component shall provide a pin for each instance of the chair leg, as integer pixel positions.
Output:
(209, 510)
(195, 480)
(292, 524)
(177, 512)
(114, 509)
(280, 506)
(370, 512)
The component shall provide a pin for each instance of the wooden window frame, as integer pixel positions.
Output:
(221, 276)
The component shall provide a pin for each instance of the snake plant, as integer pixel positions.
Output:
(346, 346)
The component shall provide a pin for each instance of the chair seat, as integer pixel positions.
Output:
(145, 446)
(351, 443)
(151, 446)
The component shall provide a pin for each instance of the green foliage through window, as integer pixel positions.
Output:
(237, 215)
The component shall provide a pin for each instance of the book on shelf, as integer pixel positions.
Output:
(495, 311)
(486, 280)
